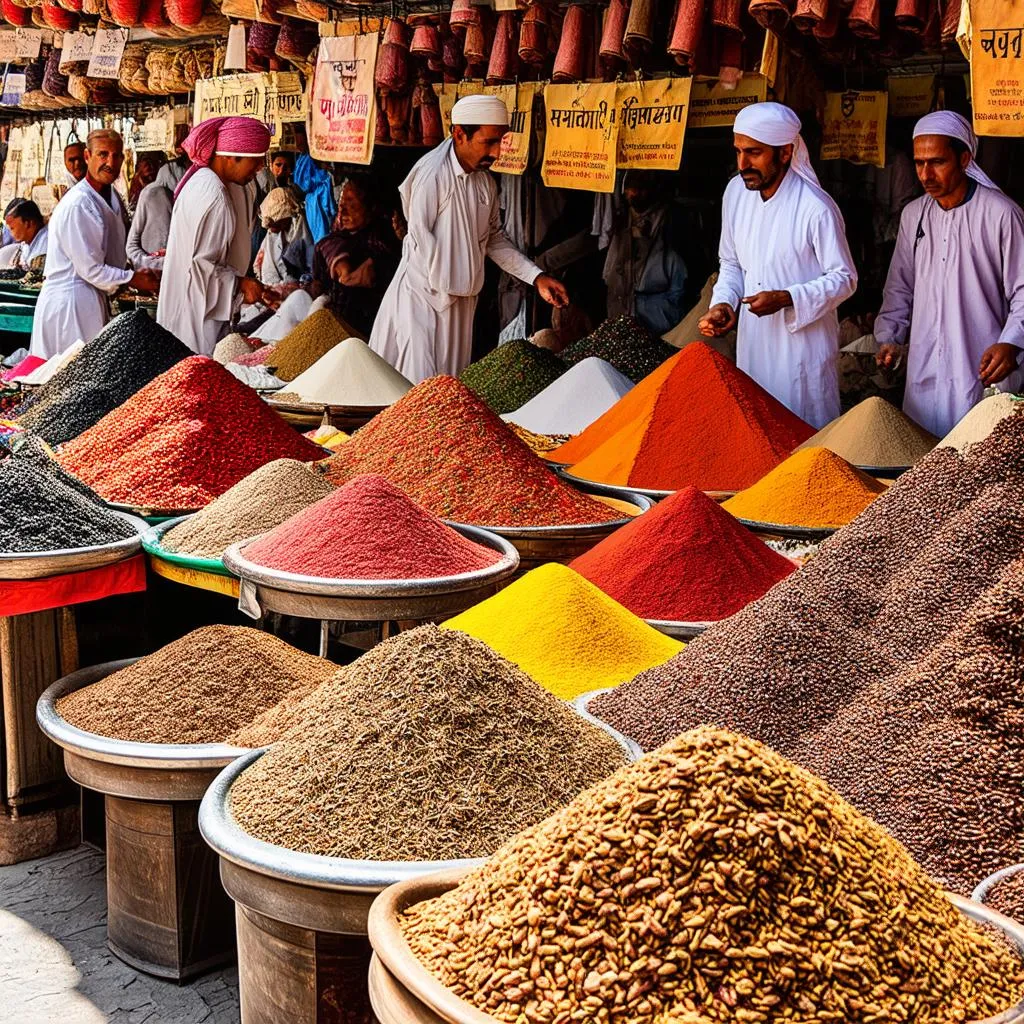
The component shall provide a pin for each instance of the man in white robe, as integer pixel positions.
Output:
(209, 246)
(85, 257)
(151, 225)
(785, 266)
(425, 323)
(955, 289)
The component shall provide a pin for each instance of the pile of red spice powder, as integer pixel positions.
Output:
(368, 529)
(446, 449)
(686, 560)
(697, 420)
(183, 440)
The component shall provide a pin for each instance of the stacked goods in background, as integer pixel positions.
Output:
(890, 664)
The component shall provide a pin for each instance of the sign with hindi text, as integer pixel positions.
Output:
(854, 127)
(273, 97)
(343, 107)
(714, 106)
(997, 67)
(515, 146)
(107, 50)
(910, 95)
(581, 137)
(652, 122)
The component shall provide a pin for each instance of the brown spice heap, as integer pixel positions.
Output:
(307, 342)
(257, 503)
(710, 881)
(891, 664)
(198, 689)
(429, 747)
(1007, 896)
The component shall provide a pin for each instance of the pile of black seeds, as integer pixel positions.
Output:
(125, 356)
(625, 343)
(29, 448)
(891, 664)
(512, 374)
(39, 513)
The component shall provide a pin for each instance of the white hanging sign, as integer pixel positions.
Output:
(107, 49)
(27, 43)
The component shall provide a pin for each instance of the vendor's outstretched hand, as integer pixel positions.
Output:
(719, 319)
(997, 363)
(552, 290)
(888, 356)
(251, 289)
(145, 281)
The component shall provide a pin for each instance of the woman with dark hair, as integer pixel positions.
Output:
(354, 264)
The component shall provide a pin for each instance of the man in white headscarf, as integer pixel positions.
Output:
(425, 322)
(785, 266)
(954, 297)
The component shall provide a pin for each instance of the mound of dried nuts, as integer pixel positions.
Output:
(713, 880)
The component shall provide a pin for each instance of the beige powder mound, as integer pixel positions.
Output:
(981, 421)
(874, 433)
(259, 502)
(198, 689)
(349, 374)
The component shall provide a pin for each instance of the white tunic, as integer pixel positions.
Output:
(425, 323)
(85, 263)
(208, 250)
(956, 285)
(795, 242)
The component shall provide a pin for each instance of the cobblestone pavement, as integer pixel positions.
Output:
(54, 961)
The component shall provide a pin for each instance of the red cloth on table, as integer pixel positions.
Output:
(18, 597)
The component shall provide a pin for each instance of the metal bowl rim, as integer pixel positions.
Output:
(236, 563)
(128, 545)
(107, 749)
(152, 544)
(983, 887)
(635, 498)
(791, 532)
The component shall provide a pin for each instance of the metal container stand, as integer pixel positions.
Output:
(167, 913)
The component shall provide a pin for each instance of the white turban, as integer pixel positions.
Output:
(480, 110)
(954, 126)
(280, 204)
(775, 124)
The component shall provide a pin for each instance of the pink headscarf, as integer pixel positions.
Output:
(227, 136)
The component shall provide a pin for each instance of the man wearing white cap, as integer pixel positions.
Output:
(425, 322)
(956, 282)
(785, 266)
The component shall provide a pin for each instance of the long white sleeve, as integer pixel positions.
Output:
(729, 287)
(1011, 245)
(893, 321)
(422, 218)
(85, 244)
(504, 253)
(838, 281)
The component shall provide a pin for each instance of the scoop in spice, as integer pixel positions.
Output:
(429, 747)
(710, 881)
(368, 529)
(565, 633)
(198, 689)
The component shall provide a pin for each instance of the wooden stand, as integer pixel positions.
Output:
(38, 806)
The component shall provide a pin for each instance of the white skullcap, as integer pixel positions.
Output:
(480, 110)
(954, 126)
(775, 124)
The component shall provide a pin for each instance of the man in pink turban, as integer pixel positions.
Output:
(209, 246)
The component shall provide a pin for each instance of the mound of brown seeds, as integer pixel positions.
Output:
(710, 881)
(429, 747)
(198, 689)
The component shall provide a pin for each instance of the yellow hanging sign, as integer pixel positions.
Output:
(343, 107)
(652, 122)
(854, 127)
(714, 106)
(997, 67)
(449, 92)
(515, 146)
(274, 97)
(581, 137)
(910, 95)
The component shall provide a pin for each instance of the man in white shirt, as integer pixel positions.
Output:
(25, 222)
(785, 266)
(425, 323)
(85, 259)
(208, 250)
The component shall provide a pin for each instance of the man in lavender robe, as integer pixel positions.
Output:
(956, 282)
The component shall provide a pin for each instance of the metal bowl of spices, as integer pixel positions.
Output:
(311, 414)
(370, 600)
(190, 570)
(808, 533)
(31, 565)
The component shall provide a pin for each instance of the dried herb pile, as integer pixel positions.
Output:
(40, 513)
(710, 881)
(512, 374)
(257, 503)
(199, 689)
(429, 747)
(891, 663)
(182, 440)
(125, 356)
(454, 456)
(625, 343)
